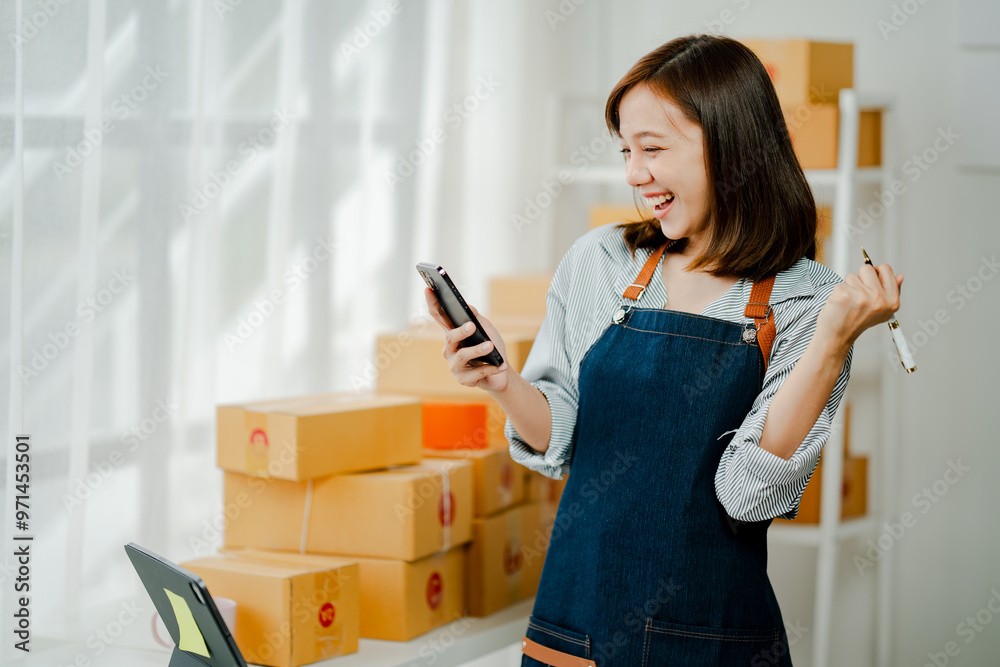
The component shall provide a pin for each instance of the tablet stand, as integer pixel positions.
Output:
(181, 658)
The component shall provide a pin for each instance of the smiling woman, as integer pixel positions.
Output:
(725, 399)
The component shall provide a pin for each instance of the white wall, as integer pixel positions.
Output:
(947, 563)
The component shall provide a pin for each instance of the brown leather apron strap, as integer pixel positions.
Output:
(635, 290)
(550, 656)
(759, 308)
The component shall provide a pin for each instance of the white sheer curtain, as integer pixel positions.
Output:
(206, 202)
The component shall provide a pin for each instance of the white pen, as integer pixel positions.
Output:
(902, 349)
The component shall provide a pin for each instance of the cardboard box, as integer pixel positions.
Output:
(805, 72)
(493, 424)
(519, 296)
(814, 131)
(410, 362)
(497, 480)
(853, 497)
(399, 513)
(504, 565)
(454, 425)
(607, 214)
(314, 436)
(824, 228)
(539, 488)
(400, 600)
(288, 612)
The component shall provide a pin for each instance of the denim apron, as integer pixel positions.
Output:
(644, 566)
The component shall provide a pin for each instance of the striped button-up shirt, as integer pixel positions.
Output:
(751, 483)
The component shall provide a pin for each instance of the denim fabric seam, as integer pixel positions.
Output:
(684, 312)
(645, 645)
(773, 635)
(666, 333)
(585, 644)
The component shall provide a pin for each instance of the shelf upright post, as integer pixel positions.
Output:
(890, 388)
(833, 454)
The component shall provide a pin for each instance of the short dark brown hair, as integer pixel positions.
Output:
(762, 214)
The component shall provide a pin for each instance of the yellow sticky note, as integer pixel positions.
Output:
(191, 638)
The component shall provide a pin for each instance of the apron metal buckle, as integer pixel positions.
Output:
(749, 333)
(619, 315)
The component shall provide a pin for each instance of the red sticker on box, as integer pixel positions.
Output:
(326, 615)
(505, 476)
(512, 560)
(435, 588)
(446, 520)
(258, 440)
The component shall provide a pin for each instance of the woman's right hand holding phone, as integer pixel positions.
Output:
(461, 362)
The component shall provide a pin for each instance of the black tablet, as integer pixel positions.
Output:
(199, 632)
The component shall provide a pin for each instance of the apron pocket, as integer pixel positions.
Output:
(548, 644)
(677, 644)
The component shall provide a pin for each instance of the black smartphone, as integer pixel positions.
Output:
(456, 309)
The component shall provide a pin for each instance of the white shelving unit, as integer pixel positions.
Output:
(831, 531)
(826, 537)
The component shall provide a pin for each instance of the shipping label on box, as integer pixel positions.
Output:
(503, 564)
(288, 613)
(314, 436)
(497, 480)
(406, 512)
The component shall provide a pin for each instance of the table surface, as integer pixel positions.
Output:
(450, 645)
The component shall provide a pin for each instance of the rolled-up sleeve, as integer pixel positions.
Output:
(549, 369)
(752, 483)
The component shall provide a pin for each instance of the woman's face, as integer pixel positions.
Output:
(665, 162)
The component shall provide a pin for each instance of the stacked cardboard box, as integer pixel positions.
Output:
(808, 77)
(503, 565)
(399, 599)
(289, 611)
(411, 520)
(341, 476)
(376, 501)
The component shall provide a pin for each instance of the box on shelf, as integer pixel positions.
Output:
(519, 296)
(815, 130)
(497, 480)
(824, 228)
(406, 512)
(399, 600)
(805, 72)
(288, 612)
(314, 436)
(410, 362)
(505, 559)
(853, 497)
(607, 214)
